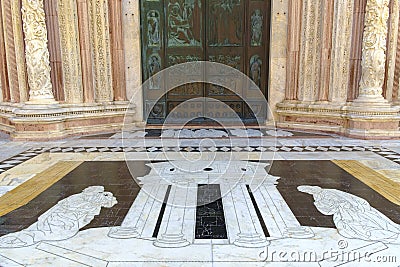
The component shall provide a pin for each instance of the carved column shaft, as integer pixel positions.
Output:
(356, 49)
(85, 50)
(310, 51)
(396, 78)
(341, 47)
(19, 50)
(327, 14)
(374, 52)
(5, 90)
(8, 32)
(117, 53)
(392, 48)
(37, 53)
(294, 32)
(100, 41)
(70, 53)
(56, 73)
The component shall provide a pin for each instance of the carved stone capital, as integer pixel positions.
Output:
(37, 53)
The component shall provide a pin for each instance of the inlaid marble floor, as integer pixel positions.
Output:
(200, 200)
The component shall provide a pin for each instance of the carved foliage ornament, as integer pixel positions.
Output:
(37, 54)
(374, 47)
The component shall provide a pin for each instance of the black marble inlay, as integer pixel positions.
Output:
(210, 219)
(328, 175)
(114, 176)
(258, 212)
(162, 211)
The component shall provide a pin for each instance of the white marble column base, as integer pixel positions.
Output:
(300, 232)
(171, 241)
(120, 232)
(251, 241)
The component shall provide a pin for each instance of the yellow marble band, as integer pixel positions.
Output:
(27, 191)
(378, 182)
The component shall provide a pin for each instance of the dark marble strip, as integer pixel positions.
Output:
(162, 211)
(258, 212)
(210, 219)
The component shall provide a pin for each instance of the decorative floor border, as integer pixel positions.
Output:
(31, 153)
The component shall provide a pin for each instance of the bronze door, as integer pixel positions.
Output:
(232, 32)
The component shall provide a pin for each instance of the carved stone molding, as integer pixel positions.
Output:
(37, 53)
(70, 51)
(374, 52)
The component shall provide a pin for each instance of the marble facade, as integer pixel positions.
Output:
(70, 68)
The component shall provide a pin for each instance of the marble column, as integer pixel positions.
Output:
(374, 54)
(37, 53)
(250, 233)
(172, 230)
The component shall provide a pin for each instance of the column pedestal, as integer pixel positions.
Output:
(371, 115)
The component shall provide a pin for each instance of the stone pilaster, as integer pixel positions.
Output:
(70, 52)
(37, 53)
(101, 55)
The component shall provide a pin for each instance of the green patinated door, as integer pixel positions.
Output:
(232, 32)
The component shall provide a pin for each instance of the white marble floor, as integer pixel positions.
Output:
(259, 224)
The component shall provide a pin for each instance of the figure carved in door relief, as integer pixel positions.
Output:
(255, 70)
(226, 23)
(182, 16)
(256, 28)
(153, 28)
(154, 67)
